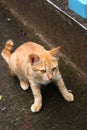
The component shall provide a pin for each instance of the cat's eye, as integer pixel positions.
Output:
(43, 71)
(54, 68)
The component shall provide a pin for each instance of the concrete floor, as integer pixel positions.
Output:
(64, 6)
(56, 113)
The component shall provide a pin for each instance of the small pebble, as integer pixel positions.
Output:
(22, 33)
(70, 91)
(3, 108)
(1, 97)
(9, 19)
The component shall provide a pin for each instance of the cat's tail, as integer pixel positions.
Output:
(6, 52)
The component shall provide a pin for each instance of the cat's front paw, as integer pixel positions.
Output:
(69, 97)
(36, 107)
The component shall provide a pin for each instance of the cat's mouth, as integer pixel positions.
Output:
(45, 82)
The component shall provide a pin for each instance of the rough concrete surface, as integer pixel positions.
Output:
(56, 113)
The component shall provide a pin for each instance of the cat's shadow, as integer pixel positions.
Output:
(50, 92)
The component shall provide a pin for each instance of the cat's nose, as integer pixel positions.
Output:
(50, 76)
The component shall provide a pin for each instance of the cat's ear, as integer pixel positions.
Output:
(33, 58)
(55, 52)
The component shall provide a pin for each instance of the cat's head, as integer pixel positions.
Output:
(45, 65)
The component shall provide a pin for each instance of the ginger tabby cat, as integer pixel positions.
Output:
(34, 65)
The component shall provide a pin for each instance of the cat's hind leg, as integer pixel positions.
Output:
(11, 72)
(24, 85)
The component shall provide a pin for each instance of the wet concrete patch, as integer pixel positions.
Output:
(56, 113)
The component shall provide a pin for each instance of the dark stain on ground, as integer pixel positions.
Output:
(56, 113)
